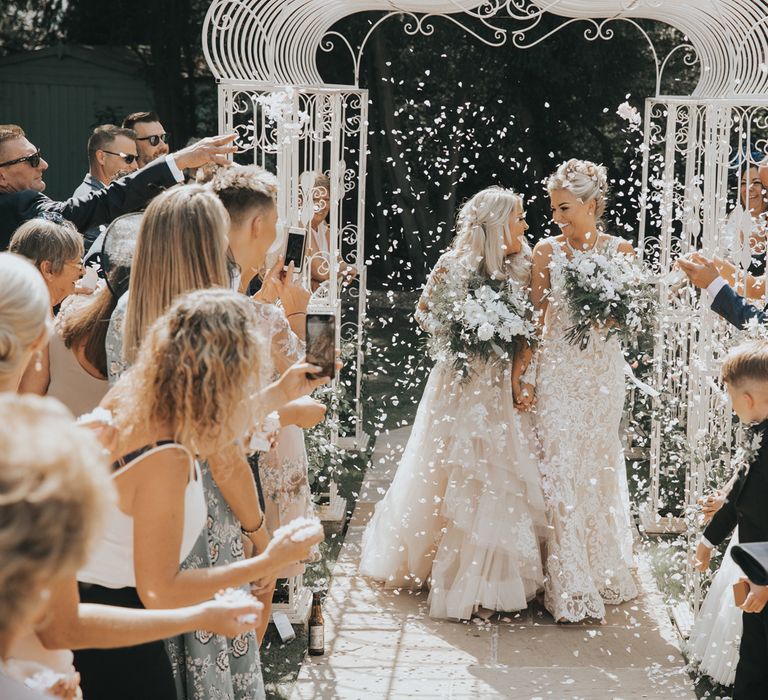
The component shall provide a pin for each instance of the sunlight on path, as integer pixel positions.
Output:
(381, 644)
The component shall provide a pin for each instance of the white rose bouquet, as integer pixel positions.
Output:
(614, 292)
(471, 318)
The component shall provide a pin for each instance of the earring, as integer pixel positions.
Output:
(39, 361)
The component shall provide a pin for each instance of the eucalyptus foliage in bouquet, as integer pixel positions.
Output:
(477, 318)
(614, 292)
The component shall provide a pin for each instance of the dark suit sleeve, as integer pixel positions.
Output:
(129, 193)
(723, 522)
(736, 309)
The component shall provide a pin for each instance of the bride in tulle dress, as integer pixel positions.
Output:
(579, 405)
(465, 512)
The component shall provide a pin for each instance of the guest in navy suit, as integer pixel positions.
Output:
(704, 274)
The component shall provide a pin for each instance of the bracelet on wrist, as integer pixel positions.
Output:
(250, 533)
(297, 313)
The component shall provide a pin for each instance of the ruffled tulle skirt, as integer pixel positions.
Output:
(714, 641)
(465, 512)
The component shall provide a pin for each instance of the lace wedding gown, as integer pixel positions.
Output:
(465, 510)
(580, 400)
(714, 640)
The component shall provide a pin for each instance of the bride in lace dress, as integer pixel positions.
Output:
(579, 405)
(465, 510)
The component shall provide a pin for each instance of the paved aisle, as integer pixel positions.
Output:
(380, 644)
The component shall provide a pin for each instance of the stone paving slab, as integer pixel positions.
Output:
(381, 643)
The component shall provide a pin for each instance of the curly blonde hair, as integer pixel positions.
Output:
(198, 366)
(54, 487)
(587, 181)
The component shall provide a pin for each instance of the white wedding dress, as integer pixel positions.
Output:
(580, 401)
(464, 513)
(714, 640)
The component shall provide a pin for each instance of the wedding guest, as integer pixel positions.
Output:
(54, 490)
(193, 390)
(191, 218)
(24, 321)
(55, 247)
(579, 406)
(111, 155)
(22, 186)
(319, 248)
(465, 510)
(249, 196)
(151, 137)
(745, 374)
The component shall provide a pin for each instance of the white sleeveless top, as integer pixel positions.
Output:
(111, 560)
(70, 383)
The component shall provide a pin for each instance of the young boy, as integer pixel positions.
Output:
(745, 374)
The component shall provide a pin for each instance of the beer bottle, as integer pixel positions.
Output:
(316, 627)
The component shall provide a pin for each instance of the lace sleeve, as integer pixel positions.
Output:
(439, 271)
(286, 347)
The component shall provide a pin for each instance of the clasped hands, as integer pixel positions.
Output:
(523, 394)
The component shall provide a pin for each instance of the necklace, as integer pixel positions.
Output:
(583, 250)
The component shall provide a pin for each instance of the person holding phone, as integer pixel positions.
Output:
(249, 196)
(319, 247)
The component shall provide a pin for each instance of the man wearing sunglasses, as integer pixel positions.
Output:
(22, 167)
(151, 137)
(111, 154)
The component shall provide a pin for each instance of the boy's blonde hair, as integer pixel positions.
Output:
(747, 362)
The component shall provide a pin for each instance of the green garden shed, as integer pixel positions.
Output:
(59, 94)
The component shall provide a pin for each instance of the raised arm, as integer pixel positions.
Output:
(157, 505)
(71, 624)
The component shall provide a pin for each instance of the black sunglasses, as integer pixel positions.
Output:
(33, 160)
(154, 139)
(127, 157)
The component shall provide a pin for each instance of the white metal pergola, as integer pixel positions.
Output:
(263, 54)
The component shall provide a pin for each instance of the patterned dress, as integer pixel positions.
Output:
(205, 666)
(580, 402)
(283, 470)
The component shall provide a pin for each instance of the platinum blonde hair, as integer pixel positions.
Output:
(25, 310)
(586, 180)
(481, 228)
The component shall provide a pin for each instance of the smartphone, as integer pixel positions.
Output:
(321, 343)
(295, 246)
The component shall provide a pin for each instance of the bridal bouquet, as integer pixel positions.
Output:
(615, 292)
(478, 318)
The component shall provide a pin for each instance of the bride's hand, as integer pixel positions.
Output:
(711, 504)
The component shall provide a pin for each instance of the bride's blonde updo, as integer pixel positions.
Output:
(585, 179)
(480, 230)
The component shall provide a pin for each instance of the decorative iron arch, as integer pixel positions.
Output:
(263, 54)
